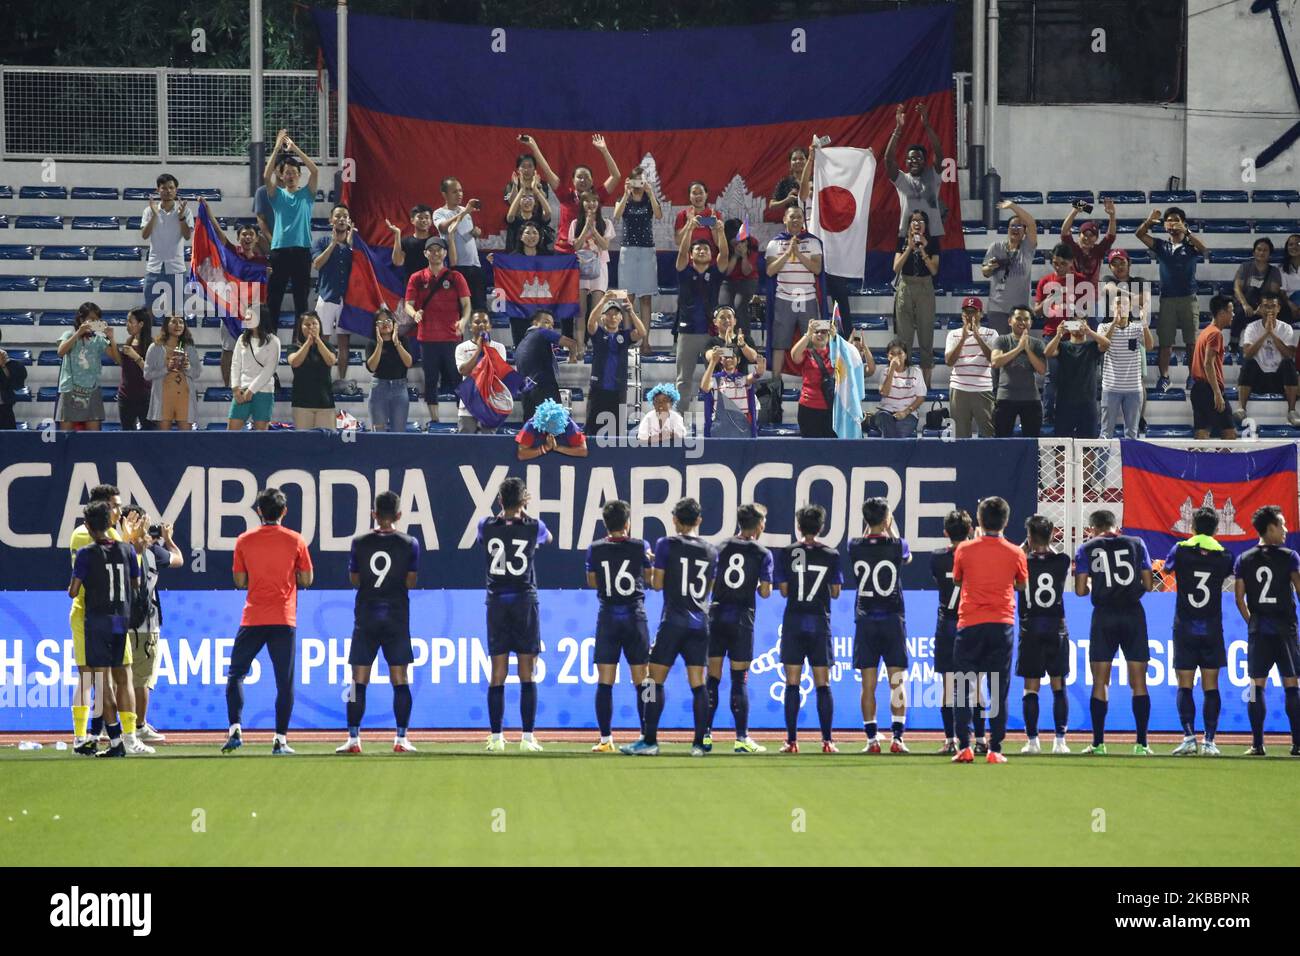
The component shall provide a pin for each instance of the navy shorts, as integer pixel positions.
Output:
(1119, 629)
(1044, 648)
(105, 640)
(880, 638)
(372, 636)
(983, 648)
(1199, 644)
(945, 635)
(1275, 645)
(731, 632)
(513, 627)
(803, 639)
(621, 631)
(673, 639)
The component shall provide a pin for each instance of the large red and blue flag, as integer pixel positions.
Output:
(1164, 486)
(490, 388)
(230, 282)
(373, 282)
(529, 283)
(841, 77)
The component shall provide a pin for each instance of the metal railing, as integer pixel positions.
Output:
(155, 114)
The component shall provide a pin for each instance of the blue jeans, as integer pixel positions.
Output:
(390, 404)
(891, 427)
(1119, 407)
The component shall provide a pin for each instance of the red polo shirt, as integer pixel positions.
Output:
(443, 293)
(989, 569)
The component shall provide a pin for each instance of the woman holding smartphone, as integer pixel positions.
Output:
(172, 368)
(706, 215)
(134, 392)
(82, 349)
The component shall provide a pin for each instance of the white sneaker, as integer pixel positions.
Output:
(496, 744)
(1208, 749)
(1293, 417)
(351, 746)
(1186, 749)
(149, 735)
(529, 744)
(1059, 746)
(403, 745)
(1032, 746)
(134, 746)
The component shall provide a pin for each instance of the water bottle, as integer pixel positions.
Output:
(28, 745)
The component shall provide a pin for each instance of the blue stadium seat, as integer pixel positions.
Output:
(118, 253)
(1278, 431)
(286, 322)
(1275, 195)
(1223, 225)
(14, 317)
(49, 357)
(21, 356)
(4, 222)
(320, 225)
(1122, 196)
(66, 253)
(109, 392)
(1275, 226)
(1140, 256)
(1208, 288)
(1172, 395)
(47, 393)
(23, 394)
(1224, 195)
(115, 317)
(871, 323)
(879, 289)
(18, 284)
(212, 359)
(285, 394)
(59, 317)
(215, 427)
(966, 288)
(1177, 197)
(135, 223)
(1124, 225)
(43, 192)
(69, 284)
(976, 256)
(974, 228)
(1067, 196)
(948, 321)
(1232, 256)
(502, 321)
(17, 252)
(122, 284)
(937, 395)
(1023, 197)
(139, 193)
(94, 192)
(6, 192)
(38, 222)
(217, 393)
(194, 195)
(1170, 431)
(96, 222)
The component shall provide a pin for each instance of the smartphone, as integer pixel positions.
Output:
(1074, 325)
(636, 183)
(709, 221)
(98, 326)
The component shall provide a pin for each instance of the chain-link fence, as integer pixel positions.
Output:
(162, 114)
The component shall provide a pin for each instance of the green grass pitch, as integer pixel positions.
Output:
(454, 804)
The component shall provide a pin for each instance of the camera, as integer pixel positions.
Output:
(1082, 205)
(155, 531)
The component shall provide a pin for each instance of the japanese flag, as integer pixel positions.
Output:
(841, 196)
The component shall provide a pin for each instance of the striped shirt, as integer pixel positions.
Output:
(794, 282)
(972, 371)
(905, 387)
(1121, 366)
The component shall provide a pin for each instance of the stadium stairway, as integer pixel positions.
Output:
(59, 249)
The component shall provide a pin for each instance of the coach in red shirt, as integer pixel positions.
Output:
(271, 562)
(988, 569)
(438, 299)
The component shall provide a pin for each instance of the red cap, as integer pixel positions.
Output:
(972, 302)
(1090, 226)
(1117, 254)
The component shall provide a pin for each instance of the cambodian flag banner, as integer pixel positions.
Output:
(461, 96)
(229, 281)
(528, 283)
(373, 282)
(489, 390)
(1164, 486)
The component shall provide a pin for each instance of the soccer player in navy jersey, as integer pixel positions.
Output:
(808, 573)
(1268, 577)
(684, 567)
(744, 569)
(957, 527)
(1116, 568)
(1200, 565)
(511, 539)
(383, 567)
(876, 561)
(1044, 637)
(617, 567)
(108, 571)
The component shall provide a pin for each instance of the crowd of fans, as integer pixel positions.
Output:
(1069, 349)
